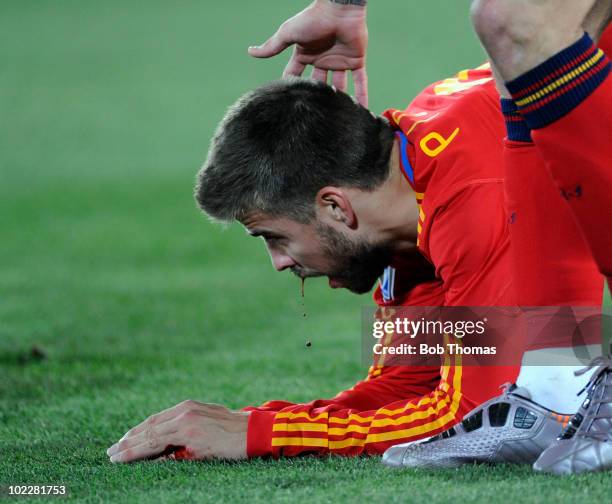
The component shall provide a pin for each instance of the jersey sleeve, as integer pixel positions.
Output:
(383, 385)
(328, 427)
(469, 245)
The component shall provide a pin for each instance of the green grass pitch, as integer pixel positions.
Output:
(138, 303)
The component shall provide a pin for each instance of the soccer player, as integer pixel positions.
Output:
(517, 35)
(415, 196)
(340, 425)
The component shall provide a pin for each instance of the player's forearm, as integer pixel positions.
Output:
(309, 428)
(387, 384)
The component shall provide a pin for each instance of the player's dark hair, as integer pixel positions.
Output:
(278, 145)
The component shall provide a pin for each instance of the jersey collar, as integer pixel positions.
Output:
(407, 169)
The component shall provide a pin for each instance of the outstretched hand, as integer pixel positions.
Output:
(190, 430)
(329, 36)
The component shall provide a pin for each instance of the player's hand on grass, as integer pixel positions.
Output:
(329, 36)
(190, 430)
(520, 34)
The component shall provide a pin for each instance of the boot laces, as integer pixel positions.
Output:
(602, 365)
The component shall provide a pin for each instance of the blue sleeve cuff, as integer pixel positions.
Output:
(516, 126)
(554, 88)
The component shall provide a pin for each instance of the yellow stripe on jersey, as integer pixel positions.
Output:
(346, 443)
(300, 427)
(454, 85)
(435, 424)
(300, 441)
(577, 72)
(301, 414)
(436, 402)
(341, 431)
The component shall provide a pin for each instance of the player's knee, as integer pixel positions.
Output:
(488, 19)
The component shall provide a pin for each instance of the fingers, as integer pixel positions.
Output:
(148, 443)
(360, 79)
(139, 452)
(271, 47)
(339, 80)
(148, 435)
(294, 67)
(159, 418)
(319, 74)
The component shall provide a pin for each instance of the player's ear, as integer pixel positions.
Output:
(334, 205)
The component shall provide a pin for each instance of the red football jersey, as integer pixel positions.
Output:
(451, 153)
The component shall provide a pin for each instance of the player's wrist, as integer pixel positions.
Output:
(259, 433)
(557, 86)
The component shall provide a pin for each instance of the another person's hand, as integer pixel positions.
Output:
(190, 430)
(329, 36)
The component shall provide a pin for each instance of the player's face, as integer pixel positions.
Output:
(311, 250)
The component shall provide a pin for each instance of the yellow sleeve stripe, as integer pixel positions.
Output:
(417, 415)
(412, 432)
(299, 441)
(587, 65)
(346, 443)
(420, 430)
(341, 431)
(439, 401)
(300, 427)
(353, 417)
(301, 414)
(415, 431)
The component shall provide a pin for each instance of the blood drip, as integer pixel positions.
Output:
(184, 453)
(173, 452)
(302, 294)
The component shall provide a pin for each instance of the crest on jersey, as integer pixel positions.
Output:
(387, 283)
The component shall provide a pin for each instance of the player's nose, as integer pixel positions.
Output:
(281, 261)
